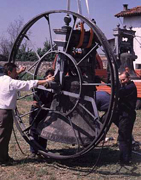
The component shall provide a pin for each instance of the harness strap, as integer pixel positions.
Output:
(81, 36)
(90, 39)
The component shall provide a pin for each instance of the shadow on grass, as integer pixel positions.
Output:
(106, 156)
(103, 162)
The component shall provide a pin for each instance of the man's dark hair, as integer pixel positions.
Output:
(126, 74)
(49, 71)
(8, 67)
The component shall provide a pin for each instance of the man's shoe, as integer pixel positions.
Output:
(122, 162)
(8, 161)
(39, 156)
(135, 145)
(33, 155)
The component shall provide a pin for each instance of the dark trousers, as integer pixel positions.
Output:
(6, 125)
(34, 119)
(125, 122)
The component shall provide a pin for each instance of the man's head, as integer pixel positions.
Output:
(10, 70)
(127, 69)
(49, 73)
(124, 78)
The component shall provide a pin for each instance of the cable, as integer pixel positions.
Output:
(137, 41)
(88, 10)
(68, 5)
(18, 142)
(99, 156)
(136, 153)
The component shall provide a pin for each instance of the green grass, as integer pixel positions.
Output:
(83, 168)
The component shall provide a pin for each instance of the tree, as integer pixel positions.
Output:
(4, 47)
(14, 29)
(6, 43)
(3, 58)
(45, 49)
(24, 52)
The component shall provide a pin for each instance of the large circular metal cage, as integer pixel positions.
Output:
(73, 124)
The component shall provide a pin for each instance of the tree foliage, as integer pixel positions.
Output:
(25, 53)
(6, 43)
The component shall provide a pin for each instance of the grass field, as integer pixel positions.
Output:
(88, 167)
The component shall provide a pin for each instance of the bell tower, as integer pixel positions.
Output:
(124, 50)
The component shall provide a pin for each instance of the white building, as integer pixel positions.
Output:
(132, 18)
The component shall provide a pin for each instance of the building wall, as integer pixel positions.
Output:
(135, 22)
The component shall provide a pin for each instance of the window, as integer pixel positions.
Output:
(137, 66)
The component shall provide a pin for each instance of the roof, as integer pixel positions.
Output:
(136, 11)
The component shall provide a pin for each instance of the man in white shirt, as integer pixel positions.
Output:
(9, 86)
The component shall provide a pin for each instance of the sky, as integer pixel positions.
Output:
(102, 11)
